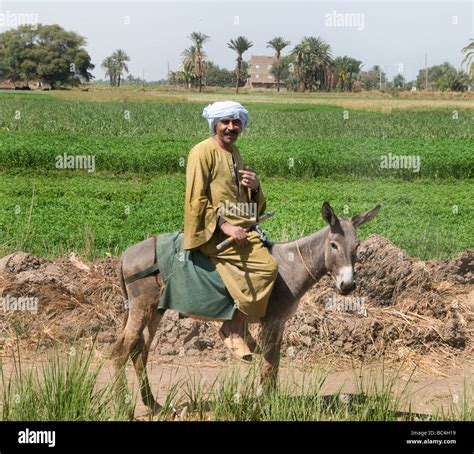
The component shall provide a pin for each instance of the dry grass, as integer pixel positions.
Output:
(374, 101)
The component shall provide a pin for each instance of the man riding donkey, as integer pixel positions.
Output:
(224, 199)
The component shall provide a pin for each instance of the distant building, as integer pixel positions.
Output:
(259, 73)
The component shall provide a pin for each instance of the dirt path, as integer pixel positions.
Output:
(427, 392)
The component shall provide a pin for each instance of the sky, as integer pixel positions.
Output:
(393, 34)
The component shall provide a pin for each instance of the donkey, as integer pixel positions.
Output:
(301, 264)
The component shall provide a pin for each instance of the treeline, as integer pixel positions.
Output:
(45, 53)
(214, 76)
(54, 56)
(311, 66)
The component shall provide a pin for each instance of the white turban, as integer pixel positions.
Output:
(225, 109)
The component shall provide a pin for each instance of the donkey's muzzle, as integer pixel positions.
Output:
(346, 288)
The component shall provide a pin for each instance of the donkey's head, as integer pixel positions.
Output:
(340, 249)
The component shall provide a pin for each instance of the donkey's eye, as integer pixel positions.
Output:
(334, 245)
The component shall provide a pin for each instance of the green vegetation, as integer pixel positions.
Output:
(94, 214)
(443, 77)
(277, 44)
(60, 389)
(310, 66)
(115, 65)
(296, 139)
(468, 57)
(47, 53)
(240, 45)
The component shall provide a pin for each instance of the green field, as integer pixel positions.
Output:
(304, 153)
(300, 139)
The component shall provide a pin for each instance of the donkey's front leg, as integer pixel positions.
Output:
(272, 333)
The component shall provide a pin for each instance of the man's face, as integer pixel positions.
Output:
(228, 130)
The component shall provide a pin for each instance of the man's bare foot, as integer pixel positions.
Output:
(233, 334)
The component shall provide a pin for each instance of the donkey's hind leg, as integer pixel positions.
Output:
(140, 358)
(139, 331)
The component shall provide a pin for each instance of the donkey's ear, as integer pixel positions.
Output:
(328, 214)
(362, 218)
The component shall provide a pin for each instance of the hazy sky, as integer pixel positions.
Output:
(155, 32)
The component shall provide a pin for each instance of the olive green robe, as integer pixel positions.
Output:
(213, 190)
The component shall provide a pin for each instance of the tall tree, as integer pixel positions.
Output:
(443, 77)
(399, 81)
(319, 60)
(373, 78)
(243, 76)
(298, 55)
(120, 57)
(239, 45)
(287, 72)
(188, 65)
(46, 52)
(110, 66)
(278, 44)
(469, 51)
(219, 77)
(346, 70)
(198, 39)
(313, 60)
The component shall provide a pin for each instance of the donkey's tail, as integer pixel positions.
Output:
(124, 291)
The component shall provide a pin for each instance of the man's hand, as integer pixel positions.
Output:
(249, 179)
(236, 232)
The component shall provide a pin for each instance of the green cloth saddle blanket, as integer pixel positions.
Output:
(192, 284)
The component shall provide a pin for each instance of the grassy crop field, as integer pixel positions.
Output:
(95, 215)
(282, 139)
(304, 153)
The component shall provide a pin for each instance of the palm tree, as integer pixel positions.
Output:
(469, 51)
(278, 44)
(198, 40)
(317, 62)
(298, 54)
(187, 77)
(110, 66)
(312, 58)
(347, 70)
(189, 64)
(239, 45)
(120, 57)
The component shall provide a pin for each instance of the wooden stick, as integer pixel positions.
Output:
(226, 243)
